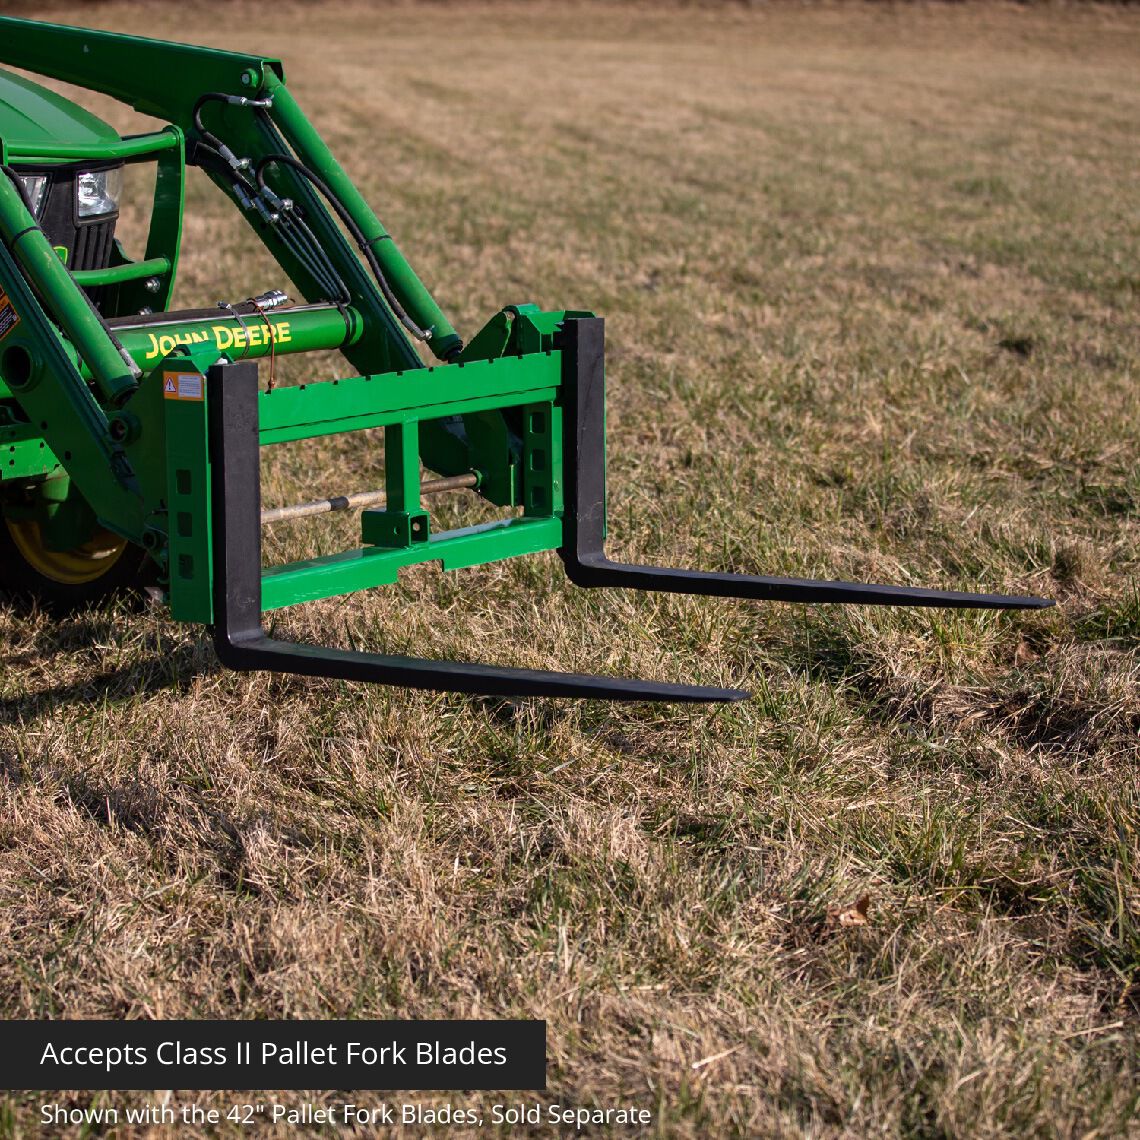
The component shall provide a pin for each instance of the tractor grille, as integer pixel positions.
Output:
(92, 245)
(91, 249)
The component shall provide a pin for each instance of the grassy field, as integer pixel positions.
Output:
(870, 276)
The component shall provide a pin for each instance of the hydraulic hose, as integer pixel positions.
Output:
(350, 224)
(296, 234)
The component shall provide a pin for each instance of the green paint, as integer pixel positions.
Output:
(373, 401)
(187, 519)
(33, 116)
(373, 566)
(139, 463)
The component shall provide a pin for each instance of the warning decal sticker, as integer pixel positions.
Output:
(9, 318)
(182, 386)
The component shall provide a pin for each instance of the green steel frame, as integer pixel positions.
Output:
(118, 412)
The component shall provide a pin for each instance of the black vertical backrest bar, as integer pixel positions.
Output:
(584, 448)
(235, 460)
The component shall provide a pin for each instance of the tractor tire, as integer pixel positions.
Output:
(62, 581)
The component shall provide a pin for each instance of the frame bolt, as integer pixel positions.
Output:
(153, 284)
(123, 427)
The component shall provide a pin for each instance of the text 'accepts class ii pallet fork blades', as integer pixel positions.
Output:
(130, 433)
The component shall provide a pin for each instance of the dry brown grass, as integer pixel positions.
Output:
(870, 277)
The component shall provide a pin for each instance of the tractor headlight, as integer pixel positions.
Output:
(97, 192)
(35, 187)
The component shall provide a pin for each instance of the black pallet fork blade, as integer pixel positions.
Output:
(242, 644)
(584, 471)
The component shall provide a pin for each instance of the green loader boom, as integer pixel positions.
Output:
(131, 432)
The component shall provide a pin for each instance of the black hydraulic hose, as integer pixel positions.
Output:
(298, 238)
(213, 142)
(349, 224)
(208, 97)
(295, 234)
(216, 148)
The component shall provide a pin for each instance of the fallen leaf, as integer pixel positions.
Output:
(854, 914)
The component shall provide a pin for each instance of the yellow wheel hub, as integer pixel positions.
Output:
(76, 567)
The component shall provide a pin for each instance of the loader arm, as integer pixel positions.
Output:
(167, 81)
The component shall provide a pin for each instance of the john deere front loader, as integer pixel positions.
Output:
(131, 432)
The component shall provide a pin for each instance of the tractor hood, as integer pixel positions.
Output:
(32, 115)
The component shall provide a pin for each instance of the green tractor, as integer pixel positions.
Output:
(131, 432)
(51, 544)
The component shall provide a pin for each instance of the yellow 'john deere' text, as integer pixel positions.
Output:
(224, 337)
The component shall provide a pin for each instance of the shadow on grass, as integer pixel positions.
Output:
(158, 672)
